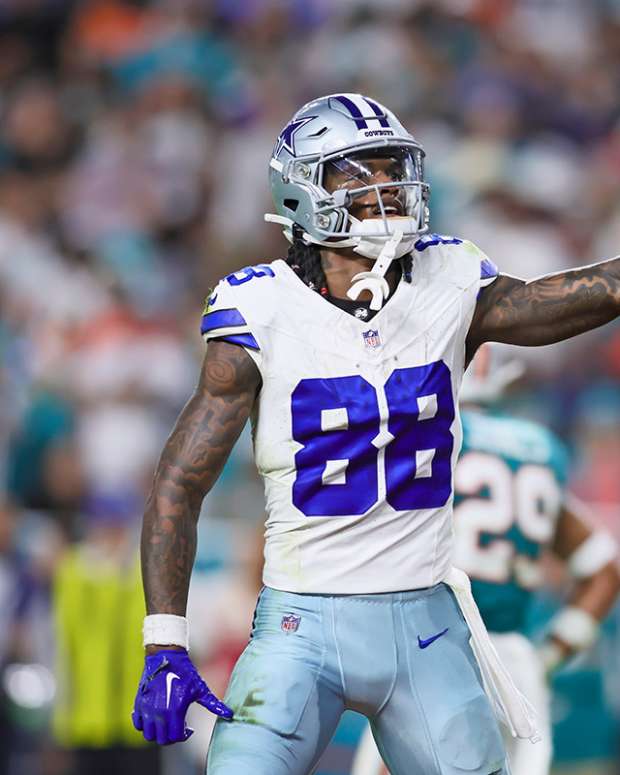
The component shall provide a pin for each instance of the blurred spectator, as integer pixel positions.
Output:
(105, 30)
(27, 686)
(38, 135)
(98, 609)
(13, 588)
(44, 471)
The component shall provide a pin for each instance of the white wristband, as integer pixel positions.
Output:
(165, 630)
(592, 555)
(575, 627)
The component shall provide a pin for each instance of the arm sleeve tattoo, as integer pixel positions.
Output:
(191, 461)
(548, 309)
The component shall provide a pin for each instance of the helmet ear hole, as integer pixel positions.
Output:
(291, 204)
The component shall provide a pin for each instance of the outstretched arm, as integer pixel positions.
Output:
(548, 309)
(590, 557)
(191, 461)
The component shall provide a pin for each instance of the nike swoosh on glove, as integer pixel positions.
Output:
(169, 685)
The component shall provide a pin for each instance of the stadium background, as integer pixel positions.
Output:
(134, 139)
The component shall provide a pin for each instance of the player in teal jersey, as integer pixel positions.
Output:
(510, 507)
(508, 495)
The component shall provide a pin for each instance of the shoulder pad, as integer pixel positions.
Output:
(430, 240)
(221, 318)
(488, 270)
(248, 273)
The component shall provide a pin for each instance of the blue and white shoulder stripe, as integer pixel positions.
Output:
(230, 312)
(488, 271)
(222, 320)
(228, 325)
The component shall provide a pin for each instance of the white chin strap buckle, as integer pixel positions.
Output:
(374, 281)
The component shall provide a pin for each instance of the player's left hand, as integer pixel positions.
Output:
(169, 685)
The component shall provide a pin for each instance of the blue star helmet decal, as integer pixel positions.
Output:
(287, 136)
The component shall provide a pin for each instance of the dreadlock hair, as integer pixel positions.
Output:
(406, 263)
(305, 261)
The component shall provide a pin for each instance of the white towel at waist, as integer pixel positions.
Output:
(510, 706)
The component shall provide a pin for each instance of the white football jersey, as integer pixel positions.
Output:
(356, 427)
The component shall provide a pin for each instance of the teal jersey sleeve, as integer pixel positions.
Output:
(509, 484)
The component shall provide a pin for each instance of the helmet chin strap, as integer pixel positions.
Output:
(374, 281)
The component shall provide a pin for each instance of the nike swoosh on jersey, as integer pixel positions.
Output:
(169, 679)
(427, 641)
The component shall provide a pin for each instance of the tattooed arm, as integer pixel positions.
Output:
(191, 461)
(548, 309)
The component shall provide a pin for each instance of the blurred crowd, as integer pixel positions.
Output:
(134, 141)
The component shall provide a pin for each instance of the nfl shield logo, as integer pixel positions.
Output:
(290, 622)
(371, 338)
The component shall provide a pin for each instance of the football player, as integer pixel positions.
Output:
(347, 356)
(510, 506)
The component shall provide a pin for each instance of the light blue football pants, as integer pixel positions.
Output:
(313, 656)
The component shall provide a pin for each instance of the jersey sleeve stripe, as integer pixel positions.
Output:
(488, 271)
(222, 318)
(432, 240)
(245, 340)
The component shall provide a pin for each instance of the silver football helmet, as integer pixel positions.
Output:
(357, 143)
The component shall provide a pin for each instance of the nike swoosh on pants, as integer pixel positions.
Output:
(427, 641)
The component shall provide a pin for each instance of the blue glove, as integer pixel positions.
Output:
(169, 685)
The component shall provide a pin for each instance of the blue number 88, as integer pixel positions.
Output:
(338, 423)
